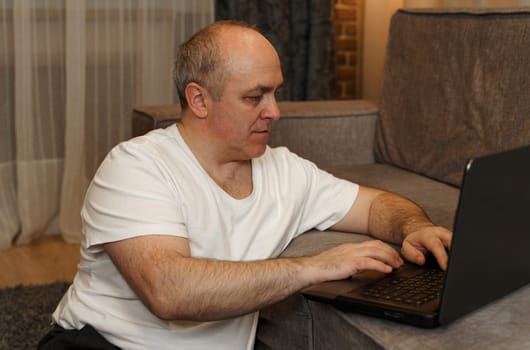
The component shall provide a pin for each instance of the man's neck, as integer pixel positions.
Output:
(233, 176)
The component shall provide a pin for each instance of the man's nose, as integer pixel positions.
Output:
(272, 111)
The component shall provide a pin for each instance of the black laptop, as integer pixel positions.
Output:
(489, 257)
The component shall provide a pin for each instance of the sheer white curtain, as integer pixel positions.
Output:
(71, 72)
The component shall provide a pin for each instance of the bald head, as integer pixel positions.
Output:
(215, 52)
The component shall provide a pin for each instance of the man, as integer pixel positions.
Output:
(183, 226)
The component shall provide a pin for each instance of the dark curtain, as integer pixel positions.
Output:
(302, 32)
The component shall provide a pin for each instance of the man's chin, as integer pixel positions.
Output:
(257, 151)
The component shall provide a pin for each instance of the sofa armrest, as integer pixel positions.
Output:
(147, 118)
(328, 133)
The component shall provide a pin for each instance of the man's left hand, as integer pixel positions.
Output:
(433, 239)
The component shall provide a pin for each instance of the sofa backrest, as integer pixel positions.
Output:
(456, 85)
(329, 133)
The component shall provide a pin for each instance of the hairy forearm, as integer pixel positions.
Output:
(203, 290)
(176, 286)
(392, 217)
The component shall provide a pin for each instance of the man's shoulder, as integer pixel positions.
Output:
(153, 137)
(150, 152)
(285, 162)
(283, 154)
(155, 141)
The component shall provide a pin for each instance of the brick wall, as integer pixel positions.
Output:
(348, 31)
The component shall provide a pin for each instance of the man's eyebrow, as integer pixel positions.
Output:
(265, 88)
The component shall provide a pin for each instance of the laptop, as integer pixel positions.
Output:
(488, 259)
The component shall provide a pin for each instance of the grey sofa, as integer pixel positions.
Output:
(456, 85)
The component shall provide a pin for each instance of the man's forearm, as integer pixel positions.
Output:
(210, 290)
(392, 217)
(174, 285)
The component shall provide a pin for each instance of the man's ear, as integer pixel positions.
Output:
(196, 97)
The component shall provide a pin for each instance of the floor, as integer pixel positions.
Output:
(46, 260)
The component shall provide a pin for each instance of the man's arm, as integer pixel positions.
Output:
(395, 219)
(174, 285)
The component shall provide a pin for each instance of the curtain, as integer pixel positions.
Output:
(303, 34)
(70, 74)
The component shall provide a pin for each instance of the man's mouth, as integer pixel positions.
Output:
(265, 129)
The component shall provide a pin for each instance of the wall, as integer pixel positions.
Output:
(348, 15)
(377, 16)
(361, 28)
(466, 3)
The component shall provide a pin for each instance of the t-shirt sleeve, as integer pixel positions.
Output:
(130, 196)
(327, 198)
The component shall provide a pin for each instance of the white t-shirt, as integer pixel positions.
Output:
(153, 184)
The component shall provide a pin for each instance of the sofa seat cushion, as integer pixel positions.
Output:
(439, 200)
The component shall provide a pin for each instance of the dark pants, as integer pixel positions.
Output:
(87, 338)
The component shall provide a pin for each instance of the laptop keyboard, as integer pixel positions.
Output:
(416, 290)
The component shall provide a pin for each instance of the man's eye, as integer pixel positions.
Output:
(254, 98)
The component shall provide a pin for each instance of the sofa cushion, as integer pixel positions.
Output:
(439, 200)
(445, 101)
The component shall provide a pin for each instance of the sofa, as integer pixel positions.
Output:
(456, 85)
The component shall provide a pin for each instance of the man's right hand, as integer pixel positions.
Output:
(349, 259)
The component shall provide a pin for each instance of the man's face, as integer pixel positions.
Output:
(242, 119)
